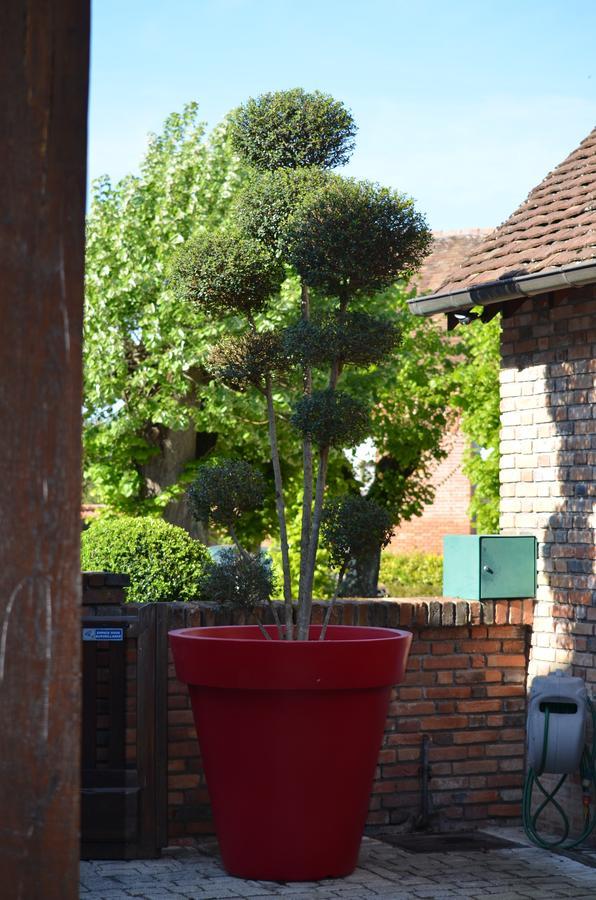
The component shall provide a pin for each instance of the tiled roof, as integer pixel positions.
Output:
(449, 249)
(554, 228)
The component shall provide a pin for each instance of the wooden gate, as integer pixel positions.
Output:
(123, 778)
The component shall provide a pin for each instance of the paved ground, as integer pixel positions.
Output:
(384, 871)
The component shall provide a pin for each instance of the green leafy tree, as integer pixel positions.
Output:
(478, 398)
(143, 347)
(347, 241)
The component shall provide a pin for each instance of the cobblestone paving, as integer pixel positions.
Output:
(383, 871)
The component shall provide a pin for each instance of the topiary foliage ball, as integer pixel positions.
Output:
(227, 272)
(353, 527)
(352, 237)
(351, 338)
(331, 419)
(238, 580)
(162, 560)
(265, 204)
(222, 491)
(291, 129)
(241, 362)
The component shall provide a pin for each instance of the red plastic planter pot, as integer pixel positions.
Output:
(289, 734)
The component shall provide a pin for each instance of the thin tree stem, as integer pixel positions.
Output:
(306, 604)
(262, 629)
(281, 512)
(340, 579)
(237, 544)
(276, 619)
(306, 464)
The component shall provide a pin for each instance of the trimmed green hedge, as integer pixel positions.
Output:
(412, 574)
(162, 560)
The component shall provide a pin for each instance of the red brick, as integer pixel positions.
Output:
(441, 648)
(502, 632)
(446, 662)
(500, 612)
(514, 646)
(505, 690)
(409, 693)
(508, 750)
(475, 812)
(183, 781)
(473, 736)
(410, 708)
(476, 765)
(505, 780)
(512, 810)
(387, 756)
(180, 717)
(479, 646)
(443, 693)
(505, 661)
(405, 754)
(477, 706)
(437, 723)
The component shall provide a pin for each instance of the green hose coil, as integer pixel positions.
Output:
(588, 779)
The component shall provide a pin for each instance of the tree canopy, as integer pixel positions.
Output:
(144, 349)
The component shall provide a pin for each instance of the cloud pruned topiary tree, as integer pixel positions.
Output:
(346, 240)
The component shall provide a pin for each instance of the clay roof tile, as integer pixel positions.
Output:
(555, 227)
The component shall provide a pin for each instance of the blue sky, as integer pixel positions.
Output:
(463, 105)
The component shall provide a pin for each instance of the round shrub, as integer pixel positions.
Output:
(227, 272)
(331, 419)
(223, 490)
(352, 338)
(239, 580)
(290, 129)
(240, 362)
(266, 203)
(351, 237)
(354, 527)
(162, 560)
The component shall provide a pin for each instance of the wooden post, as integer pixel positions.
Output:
(44, 47)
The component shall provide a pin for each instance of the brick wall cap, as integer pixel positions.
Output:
(105, 579)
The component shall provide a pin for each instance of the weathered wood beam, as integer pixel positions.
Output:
(44, 47)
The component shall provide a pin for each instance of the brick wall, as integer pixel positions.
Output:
(465, 690)
(448, 513)
(548, 468)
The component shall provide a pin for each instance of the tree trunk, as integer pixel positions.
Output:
(367, 570)
(175, 450)
(362, 579)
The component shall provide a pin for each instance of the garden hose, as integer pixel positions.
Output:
(588, 784)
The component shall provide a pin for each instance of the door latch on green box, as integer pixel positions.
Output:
(489, 566)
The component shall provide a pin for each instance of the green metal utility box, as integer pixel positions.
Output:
(489, 566)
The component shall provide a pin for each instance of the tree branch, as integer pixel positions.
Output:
(340, 579)
(237, 544)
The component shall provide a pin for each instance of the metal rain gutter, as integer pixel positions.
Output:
(505, 289)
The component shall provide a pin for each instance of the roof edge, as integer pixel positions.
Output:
(505, 289)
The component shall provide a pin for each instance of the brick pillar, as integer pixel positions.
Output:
(548, 464)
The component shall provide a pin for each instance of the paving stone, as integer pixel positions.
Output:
(524, 873)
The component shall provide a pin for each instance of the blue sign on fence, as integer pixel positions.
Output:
(103, 634)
